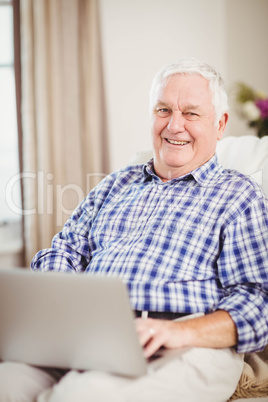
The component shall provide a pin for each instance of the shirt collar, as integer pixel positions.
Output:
(209, 173)
(205, 175)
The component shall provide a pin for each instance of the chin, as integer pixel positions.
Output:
(175, 163)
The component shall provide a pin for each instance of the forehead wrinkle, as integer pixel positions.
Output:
(189, 106)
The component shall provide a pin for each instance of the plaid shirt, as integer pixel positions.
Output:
(197, 243)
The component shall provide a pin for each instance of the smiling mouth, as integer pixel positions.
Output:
(177, 142)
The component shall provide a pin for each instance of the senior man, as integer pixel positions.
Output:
(186, 236)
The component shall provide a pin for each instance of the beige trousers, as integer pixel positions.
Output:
(196, 375)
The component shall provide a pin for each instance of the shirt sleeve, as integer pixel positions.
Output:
(243, 273)
(70, 250)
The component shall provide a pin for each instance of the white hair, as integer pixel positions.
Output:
(193, 66)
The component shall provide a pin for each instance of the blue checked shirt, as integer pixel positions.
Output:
(197, 243)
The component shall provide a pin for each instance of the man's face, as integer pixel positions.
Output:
(183, 126)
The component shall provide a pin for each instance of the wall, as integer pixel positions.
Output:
(139, 36)
(247, 49)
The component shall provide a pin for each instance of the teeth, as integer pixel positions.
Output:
(177, 142)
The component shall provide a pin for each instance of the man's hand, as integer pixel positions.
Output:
(215, 330)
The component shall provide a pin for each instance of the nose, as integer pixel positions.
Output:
(176, 123)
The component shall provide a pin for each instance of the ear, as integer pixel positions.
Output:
(222, 124)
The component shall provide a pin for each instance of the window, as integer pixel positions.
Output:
(10, 195)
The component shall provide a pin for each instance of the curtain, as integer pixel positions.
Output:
(64, 144)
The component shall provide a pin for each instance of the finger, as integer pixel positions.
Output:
(154, 344)
(150, 335)
(145, 331)
(143, 324)
(154, 334)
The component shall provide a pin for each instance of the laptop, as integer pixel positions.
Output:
(72, 321)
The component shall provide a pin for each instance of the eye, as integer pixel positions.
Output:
(162, 111)
(190, 115)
